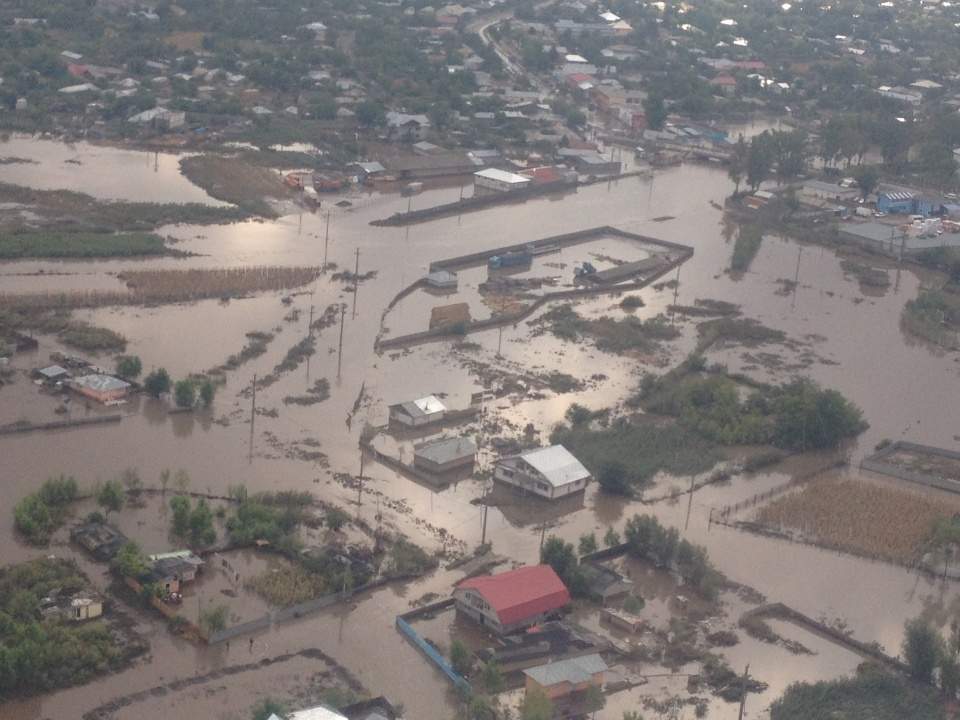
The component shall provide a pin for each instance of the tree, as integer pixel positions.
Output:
(594, 700)
(134, 485)
(207, 391)
(808, 417)
(611, 538)
(460, 657)
(612, 478)
(264, 709)
(536, 706)
(578, 414)
(370, 114)
(759, 159)
(790, 149)
(588, 544)
(185, 393)
(110, 496)
(949, 677)
(922, 649)
(492, 677)
(655, 111)
(867, 177)
(130, 561)
(336, 518)
(830, 141)
(157, 383)
(129, 366)
(559, 555)
(202, 531)
(180, 522)
(738, 163)
(214, 619)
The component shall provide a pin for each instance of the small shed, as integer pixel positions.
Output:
(442, 280)
(440, 456)
(54, 373)
(449, 316)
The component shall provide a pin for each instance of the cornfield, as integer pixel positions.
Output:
(170, 286)
(860, 517)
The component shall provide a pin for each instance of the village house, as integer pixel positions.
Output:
(102, 541)
(102, 388)
(441, 280)
(402, 126)
(416, 413)
(513, 600)
(444, 455)
(75, 608)
(566, 682)
(52, 374)
(819, 190)
(551, 472)
(182, 565)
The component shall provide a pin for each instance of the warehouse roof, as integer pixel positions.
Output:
(574, 671)
(446, 450)
(556, 464)
(502, 176)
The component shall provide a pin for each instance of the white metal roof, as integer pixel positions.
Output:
(574, 58)
(502, 176)
(317, 713)
(102, 383)
(557, 465)
(430, 404)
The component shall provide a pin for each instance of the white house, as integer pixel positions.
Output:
(420, 412)
(492, 180)
(551, 472)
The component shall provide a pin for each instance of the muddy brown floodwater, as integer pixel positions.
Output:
(844, 339)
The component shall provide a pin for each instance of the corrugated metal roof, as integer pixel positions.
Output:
(556, 464)
(446, 450)
(101, 383)
(575, 670)
(522, 593)
(317, 713)
(502, 176)
(430, 404)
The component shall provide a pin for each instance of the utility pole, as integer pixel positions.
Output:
(253, 413)
(500, 341)
(743, 700)
(343, 311)
(356, 284)
(483, 532)
(326, 242)
(310, 326)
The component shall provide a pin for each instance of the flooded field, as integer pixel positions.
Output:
(840, 337)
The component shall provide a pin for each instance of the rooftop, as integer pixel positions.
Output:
(557, 465)
(522, 593)
(101, 383)
(502, 176)
(446, 450)
(575, 671)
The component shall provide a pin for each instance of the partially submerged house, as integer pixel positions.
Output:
(604, 583)
(99, 539)
(513, 600)
(416, 413)
(491, 181)
(52, 374)
(551, 472)
(565, 680)
(441, 280)
(105, 389)
(182, 564)
(444, 455)
(74, 608)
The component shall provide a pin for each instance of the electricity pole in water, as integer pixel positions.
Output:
(343, 311)
(253, 413)
(356, 284)
(326, 242)
(743, 700)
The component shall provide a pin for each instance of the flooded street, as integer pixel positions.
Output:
(842, 338)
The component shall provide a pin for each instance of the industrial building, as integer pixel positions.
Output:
(416, 413)
(491, 181)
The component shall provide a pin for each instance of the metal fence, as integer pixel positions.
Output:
(432, 655)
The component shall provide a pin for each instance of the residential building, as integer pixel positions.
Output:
(513, 600)
(53, 373)
(551, 472)
(403, 126)
(491, 181)
(183, 564)
(444, 455)
(317, 713)
(76, 608)
(604, 583)
(102, 388)
(565, 680)
(417, 413)
(367, 170)
(99, 539)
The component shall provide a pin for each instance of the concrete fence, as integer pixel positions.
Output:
(878, 463)
(441, 663)
(251, 626)
(59, 424)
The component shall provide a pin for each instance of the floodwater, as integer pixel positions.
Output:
(843, 339)
(106, 173)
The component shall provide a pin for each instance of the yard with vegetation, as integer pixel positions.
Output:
(871, 694)
(861, 516)
(37, 656)
(934, 316)
(80, 245)
(627, 334)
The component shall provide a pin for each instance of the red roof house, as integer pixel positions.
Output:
(513, 600)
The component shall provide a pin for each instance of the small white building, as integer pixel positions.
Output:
(442, 280)
(490, 180)
(417, 413)
(552, 472)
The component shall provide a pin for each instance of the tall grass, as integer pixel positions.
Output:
(745, 247)
(43, 244)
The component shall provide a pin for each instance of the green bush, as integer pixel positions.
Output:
(38, 515)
